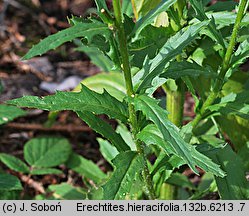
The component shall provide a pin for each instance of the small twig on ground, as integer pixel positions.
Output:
(32, 183)
(38, 127)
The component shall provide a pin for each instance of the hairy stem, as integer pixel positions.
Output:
(225, 65)
(130, 92)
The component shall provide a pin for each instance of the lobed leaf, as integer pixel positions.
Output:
(171, 133)
(85, 30)
(171, 49)
(85, 100)
(45, 152)
(128, 165)
(105, 129)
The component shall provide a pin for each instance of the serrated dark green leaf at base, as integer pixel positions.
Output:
(85, 100)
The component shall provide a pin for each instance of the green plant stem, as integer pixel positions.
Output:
(130, 92)
(175, 103)
(225, 65)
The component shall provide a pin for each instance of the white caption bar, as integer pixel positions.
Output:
(158, 207)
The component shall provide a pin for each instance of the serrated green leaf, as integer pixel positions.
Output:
(45, 171)
(66, 191)
(149, 17)
(85, 168)
(171, 133)
(105, 129)
(81, 30)
(85, 100)
(151, 135)
(8, 113)
(234, 186)
(9, 183)
(200, 14)
(112, 82)
(45, 152)
(170, 49)
(14, 163)
(108, 151)
(177, 70)
(128, 165)
(148, 44)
